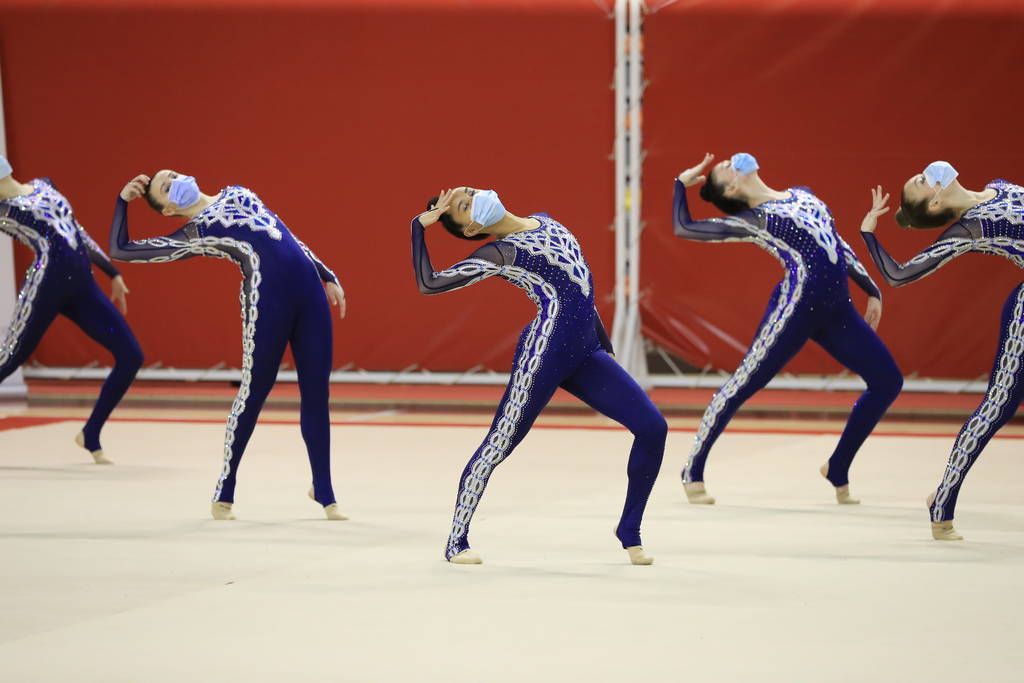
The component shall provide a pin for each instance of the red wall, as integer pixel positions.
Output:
(345, 117)
(839, 96)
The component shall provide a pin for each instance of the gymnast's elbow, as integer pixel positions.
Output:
(425, 288)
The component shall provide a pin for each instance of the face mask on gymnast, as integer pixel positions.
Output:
(5, 167)
(940, 173)
(744, 163)
(184, 191)
(487, 209)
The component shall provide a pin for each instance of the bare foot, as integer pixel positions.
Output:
(330, 511)
(221, 511)
(466, 557)
(697, 494)
(638, 556)
(97, 456)
(843, 496)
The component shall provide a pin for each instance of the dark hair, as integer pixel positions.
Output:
(153, 203)
(710, 192)
(916, 215)
(451, 225)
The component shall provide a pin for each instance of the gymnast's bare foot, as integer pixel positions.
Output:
(221, 511)
(697, 494)
(843, 496)
(942, 531)
(330, 511)
(97, 455)
(467, 556)
(638, 556)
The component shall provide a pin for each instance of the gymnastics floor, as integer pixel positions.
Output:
(118, 574)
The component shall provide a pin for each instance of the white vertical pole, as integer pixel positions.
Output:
(621, 310)
(632, 356)
(14, 385)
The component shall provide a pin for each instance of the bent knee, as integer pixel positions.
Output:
(888, 383)
(131, 357)
(653, 428)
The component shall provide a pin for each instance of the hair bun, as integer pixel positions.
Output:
(902, 218)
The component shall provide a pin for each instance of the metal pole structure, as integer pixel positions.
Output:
(621, 311)
(14, 385)
(632, 352)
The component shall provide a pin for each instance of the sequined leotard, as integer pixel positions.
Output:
(60, 281)
(564, 346)
(283, 302)
(811, 303)
(995, 227)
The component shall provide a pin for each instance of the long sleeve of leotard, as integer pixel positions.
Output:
(326, 274)
(735, 227)
(856, 271)
(96, 254)
(956, 240)
(481, 264)
(122, 248)
(602, 333)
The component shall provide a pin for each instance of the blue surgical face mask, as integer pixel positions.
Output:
(940, 173)
(5, 167)
(184, 191)
(744, 163)
(487, 209)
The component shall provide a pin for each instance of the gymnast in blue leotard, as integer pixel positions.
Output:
(283, 302)
(989, 221)
(564, 346)
(60, 282)
(812, 302)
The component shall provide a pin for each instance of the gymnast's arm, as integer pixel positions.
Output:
(602, 333)
(326, 274)
(481, 264)
(956, 240)
(158, 249)
(856, 271)
(737, 226)
(96, 253)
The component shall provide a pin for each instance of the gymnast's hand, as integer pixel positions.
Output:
(135, 188)
(873, 313)
(336, 295)
(118, 290)
(879, 205)
(695, 175)
(444, 200)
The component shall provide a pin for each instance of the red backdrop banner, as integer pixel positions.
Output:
(839, 96)
(345, 117)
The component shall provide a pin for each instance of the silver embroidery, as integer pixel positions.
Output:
(498, 441)
(33, 280)
(46, 204)
(789, 295)
(811, 215)
(558, 246)
(1007, 205)
(250, 297)
(1005, 377)
(239, 208)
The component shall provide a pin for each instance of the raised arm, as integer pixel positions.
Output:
(736, 227)
(481, 264)
(956, 240)
(157, 249)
